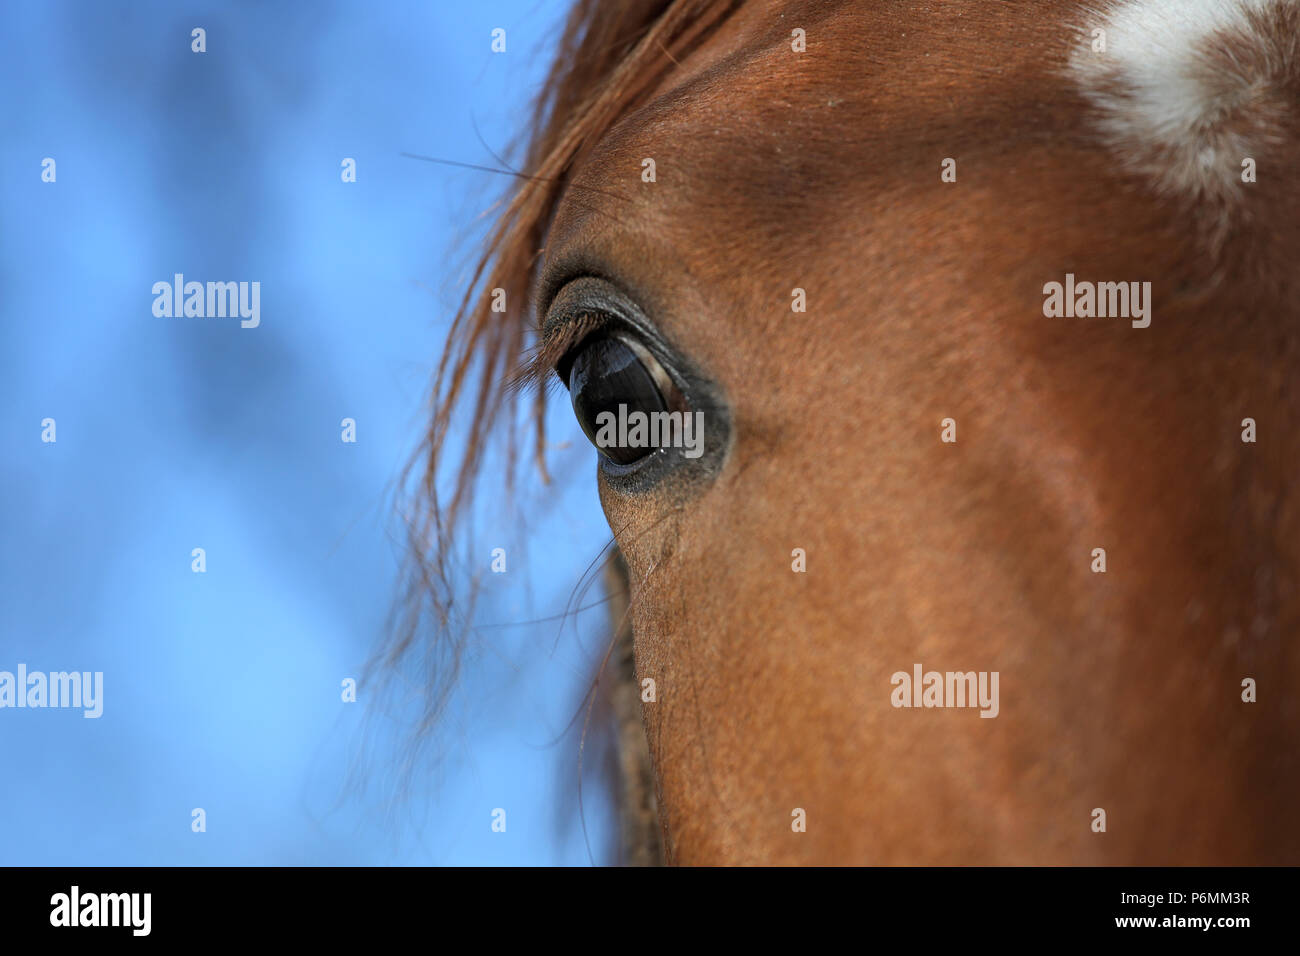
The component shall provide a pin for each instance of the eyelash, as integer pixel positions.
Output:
(571, 340)
(548, 363)
(542, 368)
(567, 336)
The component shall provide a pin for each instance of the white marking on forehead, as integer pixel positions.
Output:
(1176, 97)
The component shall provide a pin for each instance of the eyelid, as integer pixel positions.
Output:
(560, 311)
(601, 298)
(589, 305)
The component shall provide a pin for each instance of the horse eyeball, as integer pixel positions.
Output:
(617, 389)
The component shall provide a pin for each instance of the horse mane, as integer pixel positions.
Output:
(606, 64)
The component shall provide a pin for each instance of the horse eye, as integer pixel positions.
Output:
(610, 381)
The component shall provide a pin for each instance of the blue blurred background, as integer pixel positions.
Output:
(222, 689)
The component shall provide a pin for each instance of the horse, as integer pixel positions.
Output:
(989, 551)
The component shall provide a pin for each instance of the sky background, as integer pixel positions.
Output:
(222, 689)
